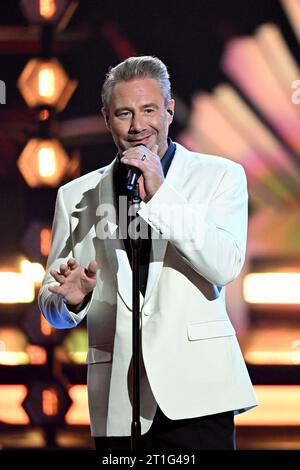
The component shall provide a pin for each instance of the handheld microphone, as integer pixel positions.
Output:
(133, 175)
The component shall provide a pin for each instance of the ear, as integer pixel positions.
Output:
(170, 110)
(105, 116)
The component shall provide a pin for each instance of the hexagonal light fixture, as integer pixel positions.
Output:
(44, 82)
(47, 11)
(43, 162)
(47, 402)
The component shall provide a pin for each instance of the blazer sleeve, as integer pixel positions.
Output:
(210, 236)
(52, 305)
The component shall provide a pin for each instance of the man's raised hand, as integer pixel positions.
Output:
(75, 281)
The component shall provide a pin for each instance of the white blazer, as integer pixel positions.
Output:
(192, 364)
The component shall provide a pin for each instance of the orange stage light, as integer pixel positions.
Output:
(49, 11)
(50, 402)
(45, 83)
(43, 162)
(272, 288)
(11, 410)
(279, 405)
(78, 412)
(45, 241)
(47, 8)
(273, 345)
(46, 328)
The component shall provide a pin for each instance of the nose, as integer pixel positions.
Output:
(137, 123)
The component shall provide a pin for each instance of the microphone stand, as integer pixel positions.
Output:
(136, 321)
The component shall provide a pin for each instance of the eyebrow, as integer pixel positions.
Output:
(127, 108)
(150, 105)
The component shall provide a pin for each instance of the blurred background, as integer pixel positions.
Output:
(234, 68)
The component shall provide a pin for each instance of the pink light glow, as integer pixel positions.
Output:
(245, 63)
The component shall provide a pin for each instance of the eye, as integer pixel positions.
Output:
(149, 110)
(124, 114)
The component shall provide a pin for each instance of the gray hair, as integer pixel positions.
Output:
(137, 67)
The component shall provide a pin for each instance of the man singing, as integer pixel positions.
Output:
(194, 214)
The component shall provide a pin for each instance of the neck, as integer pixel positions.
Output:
(162, 152)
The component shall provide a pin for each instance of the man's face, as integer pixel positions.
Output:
(137, 115)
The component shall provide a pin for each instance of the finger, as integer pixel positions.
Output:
(138, 163)
(55, 289)
(57, 276)
(136, 152)
(72, 263)
(64, 269)
(91, 269)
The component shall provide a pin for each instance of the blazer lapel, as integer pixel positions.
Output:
(159, 245)
(157, 255)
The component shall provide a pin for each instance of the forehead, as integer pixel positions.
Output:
(136, 92)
